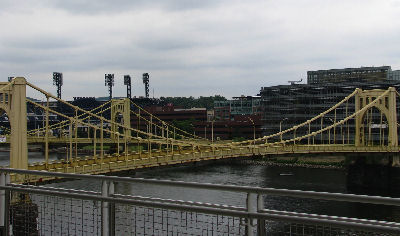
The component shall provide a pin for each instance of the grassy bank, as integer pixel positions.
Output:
(326, 162)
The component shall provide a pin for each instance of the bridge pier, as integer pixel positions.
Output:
(374, 173)
(396, 161)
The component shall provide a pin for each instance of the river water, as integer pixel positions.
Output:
(32, 157)
(323, 180)
(234, 173)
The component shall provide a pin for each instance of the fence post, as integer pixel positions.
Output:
(7, 198)
(261, 230)
(111, 210)
(251, 208)
(107, 210)
(104, 210)
(2, 204)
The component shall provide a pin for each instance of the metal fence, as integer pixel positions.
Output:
(43, 210)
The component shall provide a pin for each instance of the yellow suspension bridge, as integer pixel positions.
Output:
(163, 144)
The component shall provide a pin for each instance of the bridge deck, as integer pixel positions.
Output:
(130, 161)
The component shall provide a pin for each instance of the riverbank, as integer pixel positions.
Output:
(326, 162)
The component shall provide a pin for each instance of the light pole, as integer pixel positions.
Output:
(280, 126)
(212, 131)
(163, 127)
(194, 130)
(329, 131)
(254, 131)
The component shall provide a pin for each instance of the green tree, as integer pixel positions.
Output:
(189, 102)
(186, 125)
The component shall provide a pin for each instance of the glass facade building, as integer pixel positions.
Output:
(244, 105)
(289, 105)
(349, 75)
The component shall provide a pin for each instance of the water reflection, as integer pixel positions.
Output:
(324, 180)
(252, 175)
(32, 157)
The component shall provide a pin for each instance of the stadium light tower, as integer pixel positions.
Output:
(127, 82)
(146, 79)
(109, 82)
(58, 81)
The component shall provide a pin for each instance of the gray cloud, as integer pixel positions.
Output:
(42, 43)
(192, 47)
(104, 6)
(166, 44)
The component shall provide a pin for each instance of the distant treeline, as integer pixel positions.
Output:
(189, 102)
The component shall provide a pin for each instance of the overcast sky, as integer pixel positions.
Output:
(193, 47)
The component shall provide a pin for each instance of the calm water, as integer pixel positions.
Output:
(57, 215)
(32, 157)
(253, 175)
(324, 180)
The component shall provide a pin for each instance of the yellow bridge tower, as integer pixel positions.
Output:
(13, 103)
(120, 108)
(386, 105)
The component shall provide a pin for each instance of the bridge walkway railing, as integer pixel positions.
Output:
(44, 210)
(135, 160)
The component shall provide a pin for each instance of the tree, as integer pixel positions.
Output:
(190, 102)
(186, 125)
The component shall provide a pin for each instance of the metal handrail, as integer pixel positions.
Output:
(231, 188)
(123, 196)
(192, 203)
(367, 225)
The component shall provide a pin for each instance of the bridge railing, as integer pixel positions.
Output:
(44, 210)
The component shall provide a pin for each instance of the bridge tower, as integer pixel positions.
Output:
(386, 105)
(120, 107)
(13, 102)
